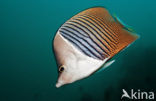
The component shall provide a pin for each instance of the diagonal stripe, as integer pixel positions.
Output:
(91, 53)
(75, 29)
(76, 44)
(90, 32)
(99, 27)
(96, 31)
(84, 42)
(107, 28)
(87, 39)
(90, 36)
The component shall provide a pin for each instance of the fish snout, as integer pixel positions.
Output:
(59, 84)
(62, 82)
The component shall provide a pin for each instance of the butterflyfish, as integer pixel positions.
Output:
(85, 43)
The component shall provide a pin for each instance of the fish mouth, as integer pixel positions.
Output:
(59, 84)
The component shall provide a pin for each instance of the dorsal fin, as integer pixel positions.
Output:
(122, 24)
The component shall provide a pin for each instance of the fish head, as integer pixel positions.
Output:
(72, 64)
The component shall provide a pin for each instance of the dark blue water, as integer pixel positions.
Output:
(28, 69)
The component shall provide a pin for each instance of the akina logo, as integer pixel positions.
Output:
(138, 94)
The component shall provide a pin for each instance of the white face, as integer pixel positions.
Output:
(73, 65)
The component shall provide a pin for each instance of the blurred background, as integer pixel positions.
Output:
(28, 70)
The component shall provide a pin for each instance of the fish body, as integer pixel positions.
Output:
(86, 42)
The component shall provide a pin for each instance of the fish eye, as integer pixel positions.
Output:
(61, 69)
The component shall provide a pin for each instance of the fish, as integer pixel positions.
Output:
(86, 42)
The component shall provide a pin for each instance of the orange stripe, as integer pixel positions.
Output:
(101, 20)
(98, 13)
(113, 42)
(98, 32)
